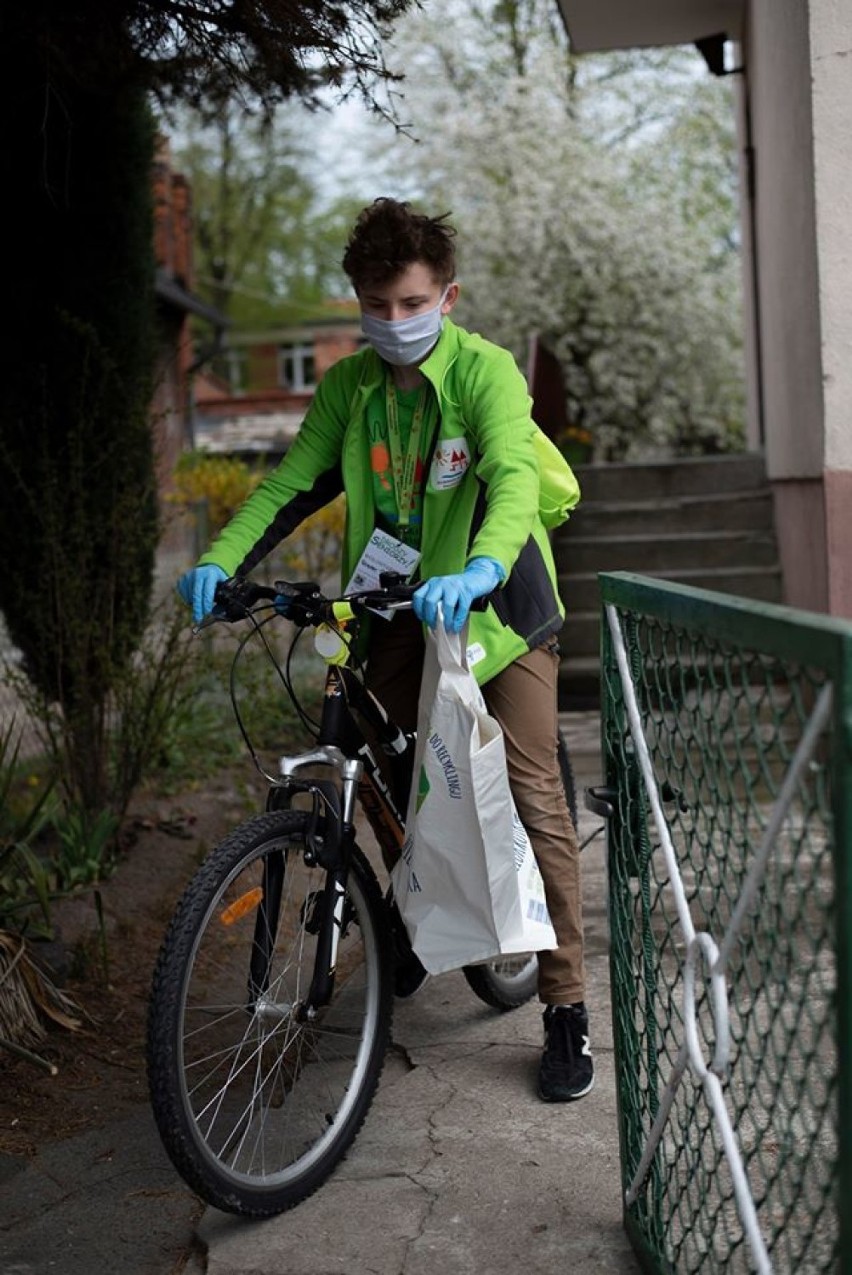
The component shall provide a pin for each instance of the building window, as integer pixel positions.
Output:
(296, 367)
(235, 369)
(231, 366)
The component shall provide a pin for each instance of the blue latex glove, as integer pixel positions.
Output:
(197, 587)
(455, 593)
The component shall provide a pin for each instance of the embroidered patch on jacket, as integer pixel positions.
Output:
(449, 463)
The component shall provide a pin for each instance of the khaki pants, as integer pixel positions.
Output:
(523, 700)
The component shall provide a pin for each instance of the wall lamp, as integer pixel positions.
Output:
(712, 49)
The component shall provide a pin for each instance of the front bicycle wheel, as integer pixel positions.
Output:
(256, 1104)
(510, 981)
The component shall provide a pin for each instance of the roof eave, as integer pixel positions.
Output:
(596, 26)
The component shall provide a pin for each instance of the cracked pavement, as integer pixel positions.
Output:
(459, 1168)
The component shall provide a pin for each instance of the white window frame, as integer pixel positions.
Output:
(236, 363)
(299, 356)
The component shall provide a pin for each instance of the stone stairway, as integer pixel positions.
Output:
(706, 522)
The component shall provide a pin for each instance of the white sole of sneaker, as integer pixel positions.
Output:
(572, 1097)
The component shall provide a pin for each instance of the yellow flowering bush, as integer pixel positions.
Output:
(222, 481)
(313, 552)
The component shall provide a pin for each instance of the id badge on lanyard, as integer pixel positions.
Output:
(382, 552)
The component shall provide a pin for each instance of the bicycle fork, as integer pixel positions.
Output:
(333, 814)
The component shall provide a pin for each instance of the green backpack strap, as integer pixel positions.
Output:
(559, 490)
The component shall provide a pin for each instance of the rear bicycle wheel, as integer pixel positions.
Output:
(504, 983)
(510, 981)
(256, 1105)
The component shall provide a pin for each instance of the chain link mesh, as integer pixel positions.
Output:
(721, 723)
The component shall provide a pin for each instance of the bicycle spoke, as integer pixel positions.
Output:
(267, 1098)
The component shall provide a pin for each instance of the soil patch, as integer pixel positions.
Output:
(101, 1067)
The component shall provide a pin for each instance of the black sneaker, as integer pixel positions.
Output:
(566, 1071)
(409, 972)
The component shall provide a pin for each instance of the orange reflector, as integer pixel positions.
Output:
(245, 903)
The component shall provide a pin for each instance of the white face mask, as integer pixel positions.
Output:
(404, 342)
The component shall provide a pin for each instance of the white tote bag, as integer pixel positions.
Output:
(467, 885)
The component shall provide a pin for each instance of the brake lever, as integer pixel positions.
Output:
(213, 617)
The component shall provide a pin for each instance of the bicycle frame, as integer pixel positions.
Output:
(343, 750)
(272, 998)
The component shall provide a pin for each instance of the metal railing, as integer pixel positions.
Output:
(727, 735)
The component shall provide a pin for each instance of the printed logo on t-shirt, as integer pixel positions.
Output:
(449, 463)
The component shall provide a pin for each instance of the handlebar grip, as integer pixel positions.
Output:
(400, 590)
(235, 596)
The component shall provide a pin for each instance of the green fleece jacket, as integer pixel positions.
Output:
(480, 497)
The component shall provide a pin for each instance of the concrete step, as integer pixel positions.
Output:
(666, 479)
(667, 553)
(741, 511)
(581, 592)
(706, 522)
(579, 674)
(581, 634)
(579, 680)
(579, 686)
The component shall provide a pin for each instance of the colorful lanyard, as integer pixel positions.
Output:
(404, 468)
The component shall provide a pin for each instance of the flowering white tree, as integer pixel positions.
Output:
(596, 206)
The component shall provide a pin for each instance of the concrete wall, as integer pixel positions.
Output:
(776, 50)
(796, 97)
(831, 71)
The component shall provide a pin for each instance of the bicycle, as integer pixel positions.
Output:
(272, 995)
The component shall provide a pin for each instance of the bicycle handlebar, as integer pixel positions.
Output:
(240, 598)
(308, 605)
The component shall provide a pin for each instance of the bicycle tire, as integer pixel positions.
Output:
(254, 1107)
(506, 982)
(510, 981)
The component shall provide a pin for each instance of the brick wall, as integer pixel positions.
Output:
(173, 257)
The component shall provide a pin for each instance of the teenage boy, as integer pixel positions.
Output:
(429, 433)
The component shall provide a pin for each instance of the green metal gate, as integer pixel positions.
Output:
(727, 734)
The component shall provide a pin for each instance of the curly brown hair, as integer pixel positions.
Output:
(388, 236)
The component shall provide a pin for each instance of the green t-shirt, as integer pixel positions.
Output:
(408, 405)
